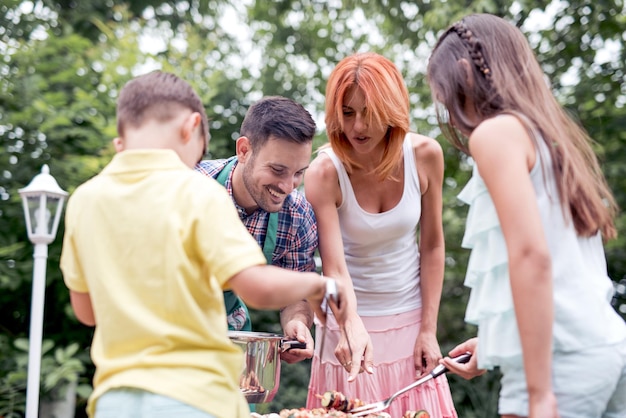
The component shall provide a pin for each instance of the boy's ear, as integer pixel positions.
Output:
(190, 124)
(244, 149)
(118, 144)
(467, 69)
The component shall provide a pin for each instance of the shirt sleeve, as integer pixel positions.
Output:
(224, 242)
(70, 265)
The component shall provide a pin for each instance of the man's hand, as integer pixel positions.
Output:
(297, 330)
(296, 321)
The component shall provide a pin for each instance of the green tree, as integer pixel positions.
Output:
(301, 40)
(65, 61)
(57, 106)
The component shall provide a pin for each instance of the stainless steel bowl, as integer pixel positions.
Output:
(260, 377)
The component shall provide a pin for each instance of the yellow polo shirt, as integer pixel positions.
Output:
(154, 243)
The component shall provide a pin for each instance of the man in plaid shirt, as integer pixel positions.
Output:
(273, 151)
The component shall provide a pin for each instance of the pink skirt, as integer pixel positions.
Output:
(393, 338)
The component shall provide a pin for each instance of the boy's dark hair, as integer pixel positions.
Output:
(279, 117)
(156, 95)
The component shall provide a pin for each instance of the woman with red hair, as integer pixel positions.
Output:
(376, 190)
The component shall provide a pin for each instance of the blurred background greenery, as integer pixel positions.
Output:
(64, 61)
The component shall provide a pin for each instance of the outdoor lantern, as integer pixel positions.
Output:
(43, 203)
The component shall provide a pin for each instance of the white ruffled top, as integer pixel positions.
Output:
(584, 316)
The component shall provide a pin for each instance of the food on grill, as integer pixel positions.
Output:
(315, 413)
(335, 405)
(336, 400)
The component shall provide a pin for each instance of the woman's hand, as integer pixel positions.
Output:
(354, 350)
(426, 353)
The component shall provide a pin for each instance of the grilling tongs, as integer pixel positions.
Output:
(384, 404)
(331, 294)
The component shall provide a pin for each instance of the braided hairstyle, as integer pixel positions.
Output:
(485, 62)
(474, 47)
(453, 87)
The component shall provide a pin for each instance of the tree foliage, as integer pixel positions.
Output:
(64, 63)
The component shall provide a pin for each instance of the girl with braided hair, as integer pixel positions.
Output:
(539, 210)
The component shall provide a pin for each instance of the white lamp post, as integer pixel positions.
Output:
(43, 203)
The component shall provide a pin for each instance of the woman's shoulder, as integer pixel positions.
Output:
(322, 168)
(322, 172)
(424, 147)
(321, 180)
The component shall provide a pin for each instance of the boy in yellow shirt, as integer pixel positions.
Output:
(149, 247)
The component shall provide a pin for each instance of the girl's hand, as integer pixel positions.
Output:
(468, 370)
(543, 406)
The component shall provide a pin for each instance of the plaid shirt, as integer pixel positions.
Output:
(296, 236)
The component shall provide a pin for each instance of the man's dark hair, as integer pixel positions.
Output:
(278, 117)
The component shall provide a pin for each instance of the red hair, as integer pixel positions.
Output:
(386, 99)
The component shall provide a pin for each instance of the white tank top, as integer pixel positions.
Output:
(381, 248)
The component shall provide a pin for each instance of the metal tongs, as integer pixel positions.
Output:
(331, 294)
(382, 405)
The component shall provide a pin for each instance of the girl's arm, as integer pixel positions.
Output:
(505, 154)
(321, 185)
(429, 162)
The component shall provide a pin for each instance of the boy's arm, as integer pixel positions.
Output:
(270, 287)
(81, 303)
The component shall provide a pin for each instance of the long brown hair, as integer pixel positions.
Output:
(387, 101)
(507, 78)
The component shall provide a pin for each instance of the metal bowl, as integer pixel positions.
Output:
(260, 377)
